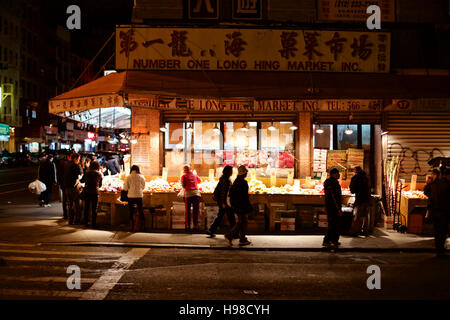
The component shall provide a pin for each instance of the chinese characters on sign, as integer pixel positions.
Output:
(203, 9)
(251, 50)
(247, 9)
(57, 106)
(354, 10)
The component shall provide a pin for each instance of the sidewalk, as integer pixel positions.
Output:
(31, 224)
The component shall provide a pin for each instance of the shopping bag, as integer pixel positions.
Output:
(181, 193)
(37, 187)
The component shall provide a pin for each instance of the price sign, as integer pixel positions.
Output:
(290, 177)
(413, 183)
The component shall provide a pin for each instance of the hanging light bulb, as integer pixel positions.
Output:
(123, 141)
(134, 141)
(189, 128)
(319, 130)
(271, 127)
(245, 127)
(216, 129)
(348, 131)
(163, 128)
(293, 127)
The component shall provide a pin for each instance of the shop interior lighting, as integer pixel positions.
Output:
(189, 128)
(123, 141)
(293, 127)
(348, 131)
(216, 129)
(271, 127)
(319, 130)
(384, 133)
(245, 127)
(133, 141)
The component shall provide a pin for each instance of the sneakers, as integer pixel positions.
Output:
(228, 238)
(244, 243)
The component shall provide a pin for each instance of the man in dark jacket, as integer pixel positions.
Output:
(240, 202)
(360, 186)
(60, 178)
(438, 193)
(333, 208)
(72, 172)
(113, 166)
(221, 197)
(47, 175)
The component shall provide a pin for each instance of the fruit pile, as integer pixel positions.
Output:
(207, 186)
(112, 184)
(414, 195)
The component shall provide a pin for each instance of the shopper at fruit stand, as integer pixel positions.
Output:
(222, 199)
(72, 173)
(434, 176)
(190, 182)
(438, 192)
(240, 202)
(135, 185)
(113, 165)
(47, 175)
(60, 177)
(360, 186)
(333, 209)
(93, 181)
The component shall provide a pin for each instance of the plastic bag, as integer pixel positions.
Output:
(37, 187)
(181, 193)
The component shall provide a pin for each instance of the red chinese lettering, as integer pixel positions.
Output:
(288, 42)
(147, 44)
(336, 45)
(178, 44)
(127, 44)
(237, 44)
(363, 49)
(310, 43)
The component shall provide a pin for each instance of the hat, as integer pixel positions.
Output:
(242, 170)
(333, 171)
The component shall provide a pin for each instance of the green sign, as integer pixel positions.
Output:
(4, 130)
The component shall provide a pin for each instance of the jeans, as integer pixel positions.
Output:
(240, 228)
(361, 222)
(46, 195)
(222, 211)
(334, 226)
(138, 203)
(91, 201)
(73, 204)
(191, 201)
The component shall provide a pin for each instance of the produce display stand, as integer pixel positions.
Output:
(412, 210)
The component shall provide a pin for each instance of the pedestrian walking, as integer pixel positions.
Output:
(72, 173)
(240, 202)
(60, 178)
(360, 186)
(190, 182)
(438, 193)
(333, 209)
(92, 179)
(135, 185)
(427, 189)
(47, 175)
(221, 196)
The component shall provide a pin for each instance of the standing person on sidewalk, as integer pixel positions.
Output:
(190, 182)
(60, 177)
(438, 193)
(135, 185)
(360, 186)
(333, 209)
(47, 175)
(240, 202)
(72, 173)
(93, 181)
(221, 197)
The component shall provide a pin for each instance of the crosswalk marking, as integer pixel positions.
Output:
(40, 293)
(46, 279)
(79, 260)
(109, 279)
(75, 253)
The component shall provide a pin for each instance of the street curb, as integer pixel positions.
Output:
(248, 248)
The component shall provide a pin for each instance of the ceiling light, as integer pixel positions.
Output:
(189, 128)
(293, 127)
(163, 129)
(216, 129)
(245, 127)
(348, 131)
(134, 141)
(123, 141)
(271, 127)
(319, 130)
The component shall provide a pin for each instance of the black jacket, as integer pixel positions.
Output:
(93, 181)
(221, 191)
(71, 173)
(47, 172)
(113, 166)
(360, 186)
(239, 197)
(333, 194)
(438, 193)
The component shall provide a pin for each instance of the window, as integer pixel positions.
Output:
(323, 136)
(347, 136)
(365, 133)
(238, 138)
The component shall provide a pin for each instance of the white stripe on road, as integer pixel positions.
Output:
(109, 279)
(17, 245)
(40, 293)
(46, 279)
(8, 184)
(76, 253)
(17, 190)
(80, 260)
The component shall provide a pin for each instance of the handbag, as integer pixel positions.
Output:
(181, 193)
(124, 195)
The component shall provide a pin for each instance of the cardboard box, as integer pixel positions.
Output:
(388, 222)
(323, 221)
(287, 224)
(178, 222)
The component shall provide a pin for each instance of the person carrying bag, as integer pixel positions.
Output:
(134, 186)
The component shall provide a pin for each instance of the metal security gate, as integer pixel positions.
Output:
(417, 138)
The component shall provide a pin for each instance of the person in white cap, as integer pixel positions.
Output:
(240, 202)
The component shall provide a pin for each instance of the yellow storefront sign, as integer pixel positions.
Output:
(144, 48)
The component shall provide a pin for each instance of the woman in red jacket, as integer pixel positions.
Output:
(189, 182)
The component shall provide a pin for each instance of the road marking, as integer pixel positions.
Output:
(13, 191)
(8, 184)
(80, 260)
(17, 245)
(46, 279)
(76, 253)
(109, 279)
(40, 293)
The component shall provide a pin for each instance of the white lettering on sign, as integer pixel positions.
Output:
(374, 21)
(74, 20)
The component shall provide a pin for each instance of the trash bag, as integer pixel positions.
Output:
(37, 187)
